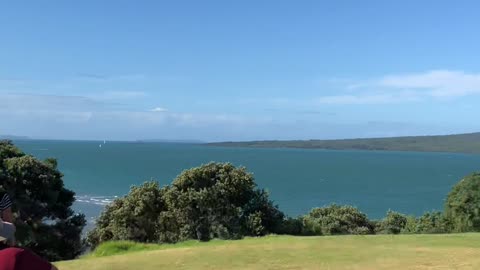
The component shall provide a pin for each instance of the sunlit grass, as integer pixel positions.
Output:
(453, 251)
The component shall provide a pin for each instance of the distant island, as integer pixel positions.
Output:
(458, 143)
(170, 141)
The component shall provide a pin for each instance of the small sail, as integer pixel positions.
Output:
(100, 145)
(104, 141)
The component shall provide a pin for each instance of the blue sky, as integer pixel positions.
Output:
(238, 70)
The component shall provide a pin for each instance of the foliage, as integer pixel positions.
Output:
(462, 206)
(292, 226)
(216, 200)
(434, 222)
(133, 217)
(336, 219)
(42, 205)
(393, 223)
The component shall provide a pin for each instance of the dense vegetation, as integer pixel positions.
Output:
(461, 143)
(42, 205)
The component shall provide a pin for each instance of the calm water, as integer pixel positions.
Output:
(296, 179)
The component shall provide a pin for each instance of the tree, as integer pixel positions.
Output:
(393, 223)
(219, 200)
(133, 217)
(462, 207)
(215, 200)
(42, 205)
(336, 219)
(433, 222)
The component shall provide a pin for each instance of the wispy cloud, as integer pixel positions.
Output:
(436, 83)
(406, 88)
(112, 95)
(76, 109)
(159, 109)
(358, 100)
(109, 78)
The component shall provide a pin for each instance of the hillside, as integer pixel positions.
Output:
(460, 143)
(453, 251)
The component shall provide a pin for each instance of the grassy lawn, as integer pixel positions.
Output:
(453, 251)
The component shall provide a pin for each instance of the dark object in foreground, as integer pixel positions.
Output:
(12, 258)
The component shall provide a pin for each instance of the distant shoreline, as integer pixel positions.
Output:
(458, 143)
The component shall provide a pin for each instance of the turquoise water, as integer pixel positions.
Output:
(297, 180)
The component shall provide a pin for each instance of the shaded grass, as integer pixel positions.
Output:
(453, 251)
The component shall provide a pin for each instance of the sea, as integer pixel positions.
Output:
(296, 179)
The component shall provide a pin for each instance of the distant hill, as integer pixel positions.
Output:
(13, 137)
(170, 141)
(460, 143)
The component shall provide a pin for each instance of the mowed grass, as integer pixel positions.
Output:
(452, 251)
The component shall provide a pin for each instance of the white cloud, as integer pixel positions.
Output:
(119, 95)
(437, 83)
(159, 109)
(78, 109)
(406, 88)
(351, 99)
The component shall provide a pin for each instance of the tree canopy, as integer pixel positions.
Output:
(216, 200)
(41, 204)
(462, 206)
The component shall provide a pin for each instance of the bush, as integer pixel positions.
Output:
(292, 226)
(335, 219)
(410, 225)
(133, 217)
(462, 207)
(434, 222)
(393, 223)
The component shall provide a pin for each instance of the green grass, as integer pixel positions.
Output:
(453, 251)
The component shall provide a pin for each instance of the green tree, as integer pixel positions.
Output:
(133, 217)
(393, 223)
(42, 205)
(216, 200)
(219, 200)
(462, 207)
(336, 219)
(433, 222)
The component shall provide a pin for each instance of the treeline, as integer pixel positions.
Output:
(219, 200)
(460, 143)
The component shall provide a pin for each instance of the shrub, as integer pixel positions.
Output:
(434, 222)
(410, 225)
(292, 226)
(393, 223)
(335, 219)
(133, 217)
